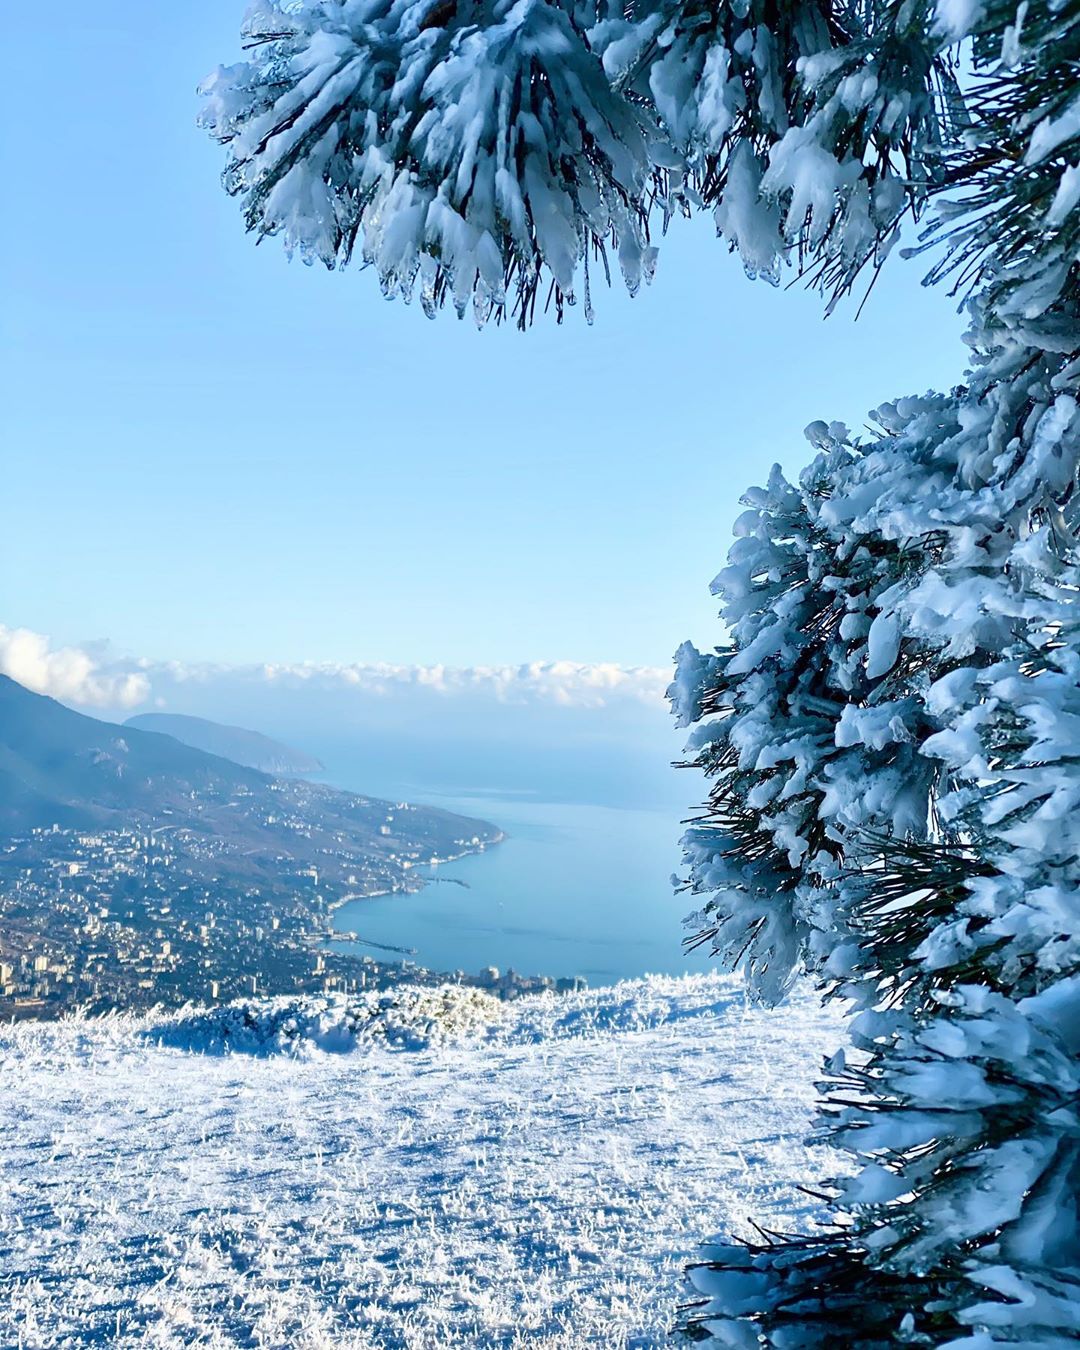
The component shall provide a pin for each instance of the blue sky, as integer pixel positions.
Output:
(214, 454)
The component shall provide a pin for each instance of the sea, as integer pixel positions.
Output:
(581, 885)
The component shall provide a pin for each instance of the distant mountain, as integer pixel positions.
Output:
(249, 748)
(59, 767)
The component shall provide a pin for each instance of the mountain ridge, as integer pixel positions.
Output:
(53, 759)
(60, 767)
(240, 745)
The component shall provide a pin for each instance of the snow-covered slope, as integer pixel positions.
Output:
(539, 1180)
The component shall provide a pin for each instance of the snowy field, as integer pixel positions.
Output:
(538, 1179)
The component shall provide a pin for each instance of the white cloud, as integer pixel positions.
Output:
(71, 674)
(566, 683)
(90, 676)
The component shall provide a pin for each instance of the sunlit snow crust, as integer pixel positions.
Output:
(537, 1182)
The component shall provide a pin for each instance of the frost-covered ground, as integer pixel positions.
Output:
(536, 1179)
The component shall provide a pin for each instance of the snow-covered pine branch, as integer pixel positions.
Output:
(1009, 221)
(493, 153)
(467, 150)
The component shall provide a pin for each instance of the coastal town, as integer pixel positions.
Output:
(137, 871)
(135, 919)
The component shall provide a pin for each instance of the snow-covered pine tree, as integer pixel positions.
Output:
(893, 734)
(893, 726)
(892, 731)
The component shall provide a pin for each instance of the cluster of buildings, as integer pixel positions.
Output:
(136, 919)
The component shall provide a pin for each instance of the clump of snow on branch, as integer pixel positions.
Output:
(461, 156)
(407, 1018)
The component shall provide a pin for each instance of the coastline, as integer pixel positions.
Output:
(332, 906)
(504, 985)
(575, 891)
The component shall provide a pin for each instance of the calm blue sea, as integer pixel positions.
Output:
(577, 888)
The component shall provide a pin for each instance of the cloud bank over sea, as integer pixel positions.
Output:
(554, 730)
(91, 675)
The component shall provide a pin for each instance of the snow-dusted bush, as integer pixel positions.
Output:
(415, 1017)
(409, 1017)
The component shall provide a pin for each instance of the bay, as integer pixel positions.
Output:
(575, 889)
